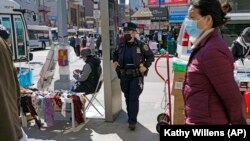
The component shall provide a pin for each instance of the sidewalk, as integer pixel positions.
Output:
(96, 128)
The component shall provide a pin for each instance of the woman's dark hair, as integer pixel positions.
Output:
(213, 8)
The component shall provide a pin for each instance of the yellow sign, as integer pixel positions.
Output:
(100, 23)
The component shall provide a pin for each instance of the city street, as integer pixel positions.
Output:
(179, 27)
(96, 129)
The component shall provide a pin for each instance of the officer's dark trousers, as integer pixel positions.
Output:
(132, 88)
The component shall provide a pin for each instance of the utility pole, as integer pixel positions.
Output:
(159, 32)
(129, 9)
(64, 81)
(112, 90)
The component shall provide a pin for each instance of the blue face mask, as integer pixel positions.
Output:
(192, 28)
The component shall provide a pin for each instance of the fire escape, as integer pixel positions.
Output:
(44, 10)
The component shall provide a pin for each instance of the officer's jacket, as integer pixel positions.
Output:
(141, 54)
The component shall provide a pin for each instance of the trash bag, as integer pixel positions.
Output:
(24, 76)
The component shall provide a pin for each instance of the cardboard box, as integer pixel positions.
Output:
(178, 113)
(243, 80)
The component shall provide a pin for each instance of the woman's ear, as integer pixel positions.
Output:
(209, 21)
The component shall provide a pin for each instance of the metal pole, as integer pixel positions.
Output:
(129, 8)
(112, 92)
(159, 3)
(64, 81)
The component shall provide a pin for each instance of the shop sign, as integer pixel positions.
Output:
(164, 2)
(156, 2)
(177, 14)
(53, 18)
(159, 12)
(175, 1)
(145, 13)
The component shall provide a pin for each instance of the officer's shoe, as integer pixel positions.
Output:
(131, 127)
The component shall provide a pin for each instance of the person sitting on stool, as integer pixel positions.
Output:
(87, 78)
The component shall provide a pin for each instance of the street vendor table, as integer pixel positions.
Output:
(67, 100)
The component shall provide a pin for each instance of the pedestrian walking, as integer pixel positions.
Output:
(98, 46)
(241, 46)
(77, 46)
(10, 125)
(211, 95)
(92, 45)
(72, 42)
(84, 42)
(132, 60)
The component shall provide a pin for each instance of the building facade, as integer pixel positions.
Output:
(121, 12)
(46, 11)
(89, 21)
(32, 6)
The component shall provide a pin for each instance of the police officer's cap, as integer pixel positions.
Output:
(129, 26)
(86, 52)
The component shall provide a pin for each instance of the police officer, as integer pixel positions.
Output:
(132, 59)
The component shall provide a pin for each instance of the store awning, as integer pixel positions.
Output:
(142, 14)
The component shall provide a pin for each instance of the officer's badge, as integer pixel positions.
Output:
(138, 50)
(146, 47)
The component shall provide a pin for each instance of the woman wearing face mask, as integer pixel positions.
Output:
(211, 95)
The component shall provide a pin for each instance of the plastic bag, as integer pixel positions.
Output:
(242, 65)
(24, 77)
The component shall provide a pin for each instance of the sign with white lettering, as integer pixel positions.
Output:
(97, 14)
(199, 132)
(177, 13)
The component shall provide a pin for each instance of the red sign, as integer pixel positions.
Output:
(152, 2)
(175, 1)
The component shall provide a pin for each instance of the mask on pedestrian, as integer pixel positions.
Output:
(127, 37)
(192, 28)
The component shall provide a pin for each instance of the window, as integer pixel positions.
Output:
(28, 1)
(6, 22)
(32, 35)
(240, 5)
(20, 35)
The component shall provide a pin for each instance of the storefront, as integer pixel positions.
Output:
(176, 17)
(159, 20)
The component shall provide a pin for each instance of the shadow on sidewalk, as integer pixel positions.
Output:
(94, 130)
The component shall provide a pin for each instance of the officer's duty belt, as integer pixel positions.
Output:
(131, 72)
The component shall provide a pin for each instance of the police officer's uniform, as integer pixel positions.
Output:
(130, 56)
